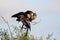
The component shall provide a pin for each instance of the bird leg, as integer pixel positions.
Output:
(26, 32)
(22, 27)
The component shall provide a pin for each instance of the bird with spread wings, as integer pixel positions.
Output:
(25, 18)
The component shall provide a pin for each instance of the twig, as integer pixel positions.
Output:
(8, 27)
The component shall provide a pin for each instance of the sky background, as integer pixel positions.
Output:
(48, 13)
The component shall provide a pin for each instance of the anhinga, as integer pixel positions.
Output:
(25, 18)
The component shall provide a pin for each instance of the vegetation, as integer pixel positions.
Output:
(17, 34)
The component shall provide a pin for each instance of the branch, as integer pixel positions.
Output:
(8, 27)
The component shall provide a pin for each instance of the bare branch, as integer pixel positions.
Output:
(8, 27)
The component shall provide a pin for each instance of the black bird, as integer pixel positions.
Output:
(25, 18)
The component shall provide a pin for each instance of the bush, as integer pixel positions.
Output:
(17, 34)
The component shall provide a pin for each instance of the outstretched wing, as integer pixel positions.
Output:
(18, 14)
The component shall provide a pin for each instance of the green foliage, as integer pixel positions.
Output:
(23, 36)
(41, 38)
(4, 35)
(20, 34)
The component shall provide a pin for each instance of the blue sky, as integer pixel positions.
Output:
(48, 11)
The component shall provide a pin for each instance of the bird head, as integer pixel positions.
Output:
(31, 15)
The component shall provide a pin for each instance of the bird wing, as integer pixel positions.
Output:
(18, 14)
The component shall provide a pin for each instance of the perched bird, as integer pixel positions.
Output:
(25, 18)
(30, 15)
